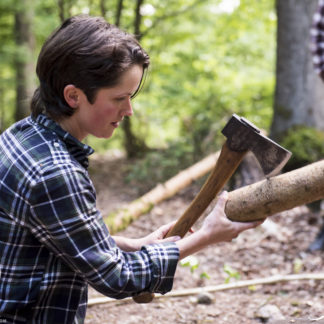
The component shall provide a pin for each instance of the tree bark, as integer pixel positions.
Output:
(24, 65)
(274, 195)
(299, 92)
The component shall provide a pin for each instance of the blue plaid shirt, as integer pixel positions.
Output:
(53, 241)
(317, 36)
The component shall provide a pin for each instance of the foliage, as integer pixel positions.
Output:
(159, 165)
(206, 68)
(306, 145)
(209, 60)
(192, 263)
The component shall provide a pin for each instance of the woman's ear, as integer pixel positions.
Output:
(71, 95)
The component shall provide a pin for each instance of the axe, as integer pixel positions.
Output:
(242, 136)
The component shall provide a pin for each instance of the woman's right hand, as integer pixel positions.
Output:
(216, 228)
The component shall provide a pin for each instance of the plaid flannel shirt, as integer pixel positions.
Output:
(53, 240)
(317, 36)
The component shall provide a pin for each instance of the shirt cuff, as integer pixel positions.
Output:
(164, 258)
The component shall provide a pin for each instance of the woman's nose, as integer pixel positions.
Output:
(128, 109)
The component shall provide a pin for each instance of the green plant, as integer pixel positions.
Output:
(159, 165)
(192, 262)
(306, 145)
(231, 273)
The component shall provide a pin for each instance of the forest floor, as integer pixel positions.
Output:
(278, 247)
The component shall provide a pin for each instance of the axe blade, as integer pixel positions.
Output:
(242, 135)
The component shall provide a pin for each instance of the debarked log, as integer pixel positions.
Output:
(271, 196)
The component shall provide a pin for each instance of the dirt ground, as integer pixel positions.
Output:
(278, 247)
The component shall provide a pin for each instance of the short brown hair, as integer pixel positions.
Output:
(87, 52)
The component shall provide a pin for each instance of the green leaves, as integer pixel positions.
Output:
(231, 273)
(191, 262)
(210, 58)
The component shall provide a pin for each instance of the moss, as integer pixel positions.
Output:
(306, 145)
(124, 217)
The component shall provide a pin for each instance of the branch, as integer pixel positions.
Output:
(171, 15)
(222, 287)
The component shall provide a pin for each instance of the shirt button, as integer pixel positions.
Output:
(56, 144)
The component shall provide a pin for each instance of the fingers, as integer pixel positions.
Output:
(166, 228)
(171, 239)
(246, 226)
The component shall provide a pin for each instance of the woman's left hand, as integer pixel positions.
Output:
(131, 245)
(158, 235)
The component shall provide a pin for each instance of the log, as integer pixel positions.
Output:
(270, 196)
(121, 218)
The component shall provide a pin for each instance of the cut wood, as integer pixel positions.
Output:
(222, 287)
(120, 219)
(274, 195)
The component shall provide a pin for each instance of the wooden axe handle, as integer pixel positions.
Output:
(226, 165)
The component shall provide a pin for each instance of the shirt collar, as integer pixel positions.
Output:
(79, 150)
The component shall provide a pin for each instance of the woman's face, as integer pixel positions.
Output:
(111, 105)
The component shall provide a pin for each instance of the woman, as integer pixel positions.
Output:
(53, 241)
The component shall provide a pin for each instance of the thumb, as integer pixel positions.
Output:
(172, 239)
(222, 199)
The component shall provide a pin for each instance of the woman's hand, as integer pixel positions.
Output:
(216, 228)
(130, 245)
(158, 235)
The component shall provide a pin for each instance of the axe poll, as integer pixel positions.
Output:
(242, 136)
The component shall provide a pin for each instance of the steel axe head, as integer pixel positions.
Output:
(242, 135)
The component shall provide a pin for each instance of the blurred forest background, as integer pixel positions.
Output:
(209, 59)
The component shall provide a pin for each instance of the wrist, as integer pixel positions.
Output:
(193, 243)
(204, 236)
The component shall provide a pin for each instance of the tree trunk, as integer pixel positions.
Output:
(24, 65)
(119, 12)
(134, 145)
(60, 6)
(138, 19)
(274, 195)
(299, 92)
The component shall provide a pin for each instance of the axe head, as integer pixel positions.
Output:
(242, 136)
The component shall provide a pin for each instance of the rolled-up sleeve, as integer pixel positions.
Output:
(63, 216)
